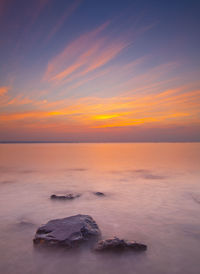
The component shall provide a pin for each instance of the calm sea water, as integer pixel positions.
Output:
(152, 196)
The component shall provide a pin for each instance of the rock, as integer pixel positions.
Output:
(99, 193)
(69, 232)
(115, 244)
(65, 197)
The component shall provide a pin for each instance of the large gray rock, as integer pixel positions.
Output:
(116, 244)
(69, 232)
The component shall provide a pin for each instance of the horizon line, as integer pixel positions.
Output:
(90, 142)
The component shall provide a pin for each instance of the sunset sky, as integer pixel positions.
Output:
(99, 70)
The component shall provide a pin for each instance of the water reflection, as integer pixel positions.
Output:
(152, 196)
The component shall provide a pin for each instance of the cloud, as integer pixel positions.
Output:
(81, 60)
(3, 90)
(169, 107)
(73, 49)
(19, 101)
(68, 12)
(38, 8)
(84, 55)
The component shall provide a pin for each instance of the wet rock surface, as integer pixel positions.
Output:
(116, 244)
(68, 232)
(69, 196)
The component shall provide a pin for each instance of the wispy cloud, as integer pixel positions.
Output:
(80, 61)
(170, 107)
(84, 55)
(76, 49)
(39, 6)
(67, 13)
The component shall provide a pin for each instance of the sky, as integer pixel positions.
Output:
(100, 70)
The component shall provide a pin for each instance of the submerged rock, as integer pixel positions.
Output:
(69, 232)
(24, 223)
(99, 193)
(116, 244)
(65, 197)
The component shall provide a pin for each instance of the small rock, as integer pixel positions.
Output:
(68, 232)
(99, 193)
(65, 197)
(115, 244)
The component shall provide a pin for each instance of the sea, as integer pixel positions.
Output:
(152, 196)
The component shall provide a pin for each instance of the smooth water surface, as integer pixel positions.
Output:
(152, 196)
